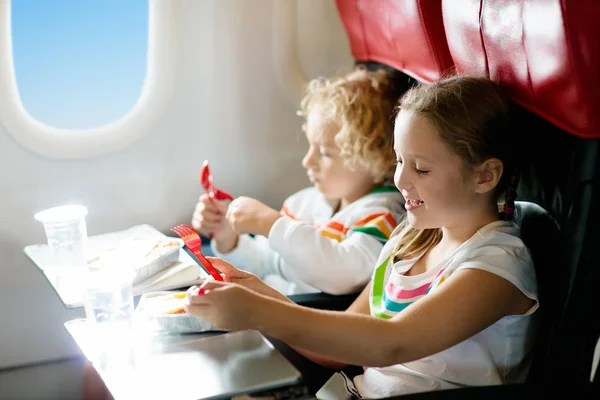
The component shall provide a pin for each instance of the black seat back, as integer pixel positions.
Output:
(540, 233)
(560, 174)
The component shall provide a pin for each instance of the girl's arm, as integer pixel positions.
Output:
(465, 304)
(359, 306)
(251, 282)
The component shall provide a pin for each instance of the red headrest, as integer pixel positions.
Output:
(547, 52)
(405, 34)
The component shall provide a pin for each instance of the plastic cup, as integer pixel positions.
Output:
(109, 296)
(108, 303)
(66, 232)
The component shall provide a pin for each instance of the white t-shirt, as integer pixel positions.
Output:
(497, 355)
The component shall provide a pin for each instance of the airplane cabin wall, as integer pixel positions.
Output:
(228, 107)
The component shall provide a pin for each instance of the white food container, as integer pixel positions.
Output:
(149, 314)
(145, 255)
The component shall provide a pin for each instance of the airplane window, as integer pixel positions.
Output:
(79, 64)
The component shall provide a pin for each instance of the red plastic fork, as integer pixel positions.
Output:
(207, 183)
(193, 242)
(211, 191)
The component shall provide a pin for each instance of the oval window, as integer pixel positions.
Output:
(79, 64)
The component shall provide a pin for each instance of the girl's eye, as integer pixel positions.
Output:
(421, 172)
(398, 162)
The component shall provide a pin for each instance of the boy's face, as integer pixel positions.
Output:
(325, 167)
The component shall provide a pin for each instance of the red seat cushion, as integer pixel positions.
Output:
(405, 34)
(547, 52)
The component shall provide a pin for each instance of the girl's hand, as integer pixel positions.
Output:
(226, 305)
(247, 215)
(209, 218)
(245, 279)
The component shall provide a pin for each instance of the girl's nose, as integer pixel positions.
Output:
(401, 178)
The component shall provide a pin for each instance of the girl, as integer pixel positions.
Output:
(452, 300)
(330, 235)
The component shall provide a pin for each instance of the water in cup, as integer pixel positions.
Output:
(66, 233)
(108, 303)
(109, 296)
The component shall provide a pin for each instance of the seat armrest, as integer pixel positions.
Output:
(324, 301)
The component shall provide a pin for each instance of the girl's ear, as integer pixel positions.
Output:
(488, 175)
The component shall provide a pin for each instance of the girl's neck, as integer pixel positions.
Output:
(456, 235)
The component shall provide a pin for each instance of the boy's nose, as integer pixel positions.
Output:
(308, 159)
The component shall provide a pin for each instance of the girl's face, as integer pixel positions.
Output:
(325, 167)
(439, 190)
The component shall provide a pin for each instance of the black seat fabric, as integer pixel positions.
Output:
(560, 173)
(541, 234)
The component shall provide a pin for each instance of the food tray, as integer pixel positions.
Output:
(145, 255)
(150, 314)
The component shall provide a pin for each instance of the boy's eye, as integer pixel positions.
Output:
(324, 152)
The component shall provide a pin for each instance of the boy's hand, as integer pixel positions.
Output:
(248, 215)
(209, 217)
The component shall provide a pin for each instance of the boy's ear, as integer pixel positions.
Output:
(488, 175)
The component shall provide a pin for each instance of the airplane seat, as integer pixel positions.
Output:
(545, 52)
(407, 35)
(540, 232)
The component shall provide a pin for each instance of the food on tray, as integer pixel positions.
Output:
(137, 252)
(163, 311)
(162, 303)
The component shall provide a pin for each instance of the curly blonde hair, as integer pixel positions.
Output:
(361, 104)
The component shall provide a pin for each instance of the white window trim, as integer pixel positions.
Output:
(84, 143)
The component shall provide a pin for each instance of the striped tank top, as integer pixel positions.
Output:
(392, 291)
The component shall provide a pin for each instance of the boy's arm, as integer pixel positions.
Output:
(331, 266)
(251, 254)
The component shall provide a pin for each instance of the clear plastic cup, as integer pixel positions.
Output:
(66, 232)
(108, 296)
(108, 303)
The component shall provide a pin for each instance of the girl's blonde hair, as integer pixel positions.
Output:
(471, 117)
(361, 104)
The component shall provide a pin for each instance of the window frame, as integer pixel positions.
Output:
(157, 89)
